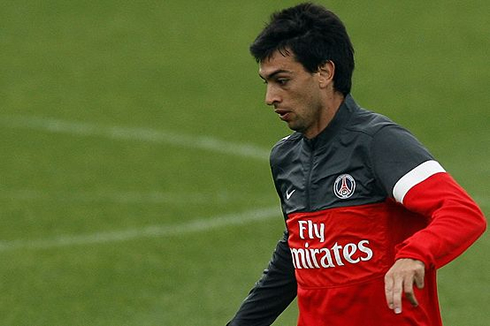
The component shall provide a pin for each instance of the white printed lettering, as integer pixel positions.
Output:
(302, 228)
(349, 250)
(308, 256)
(366, 250)
(320, 231)
(314, 230)
(328, 256)
(336, 248)
(337, 255)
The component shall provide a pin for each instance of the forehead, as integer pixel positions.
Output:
(278, 62)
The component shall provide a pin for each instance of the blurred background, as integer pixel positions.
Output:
(134, 178)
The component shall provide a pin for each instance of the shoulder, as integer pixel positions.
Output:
(380, 130)
(388, 142)
(370, 123)
(284, 146)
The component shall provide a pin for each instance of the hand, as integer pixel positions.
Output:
(400, 278)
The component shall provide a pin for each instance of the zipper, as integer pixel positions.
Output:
(308, 179)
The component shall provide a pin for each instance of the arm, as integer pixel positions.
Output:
(455, 221)
(421, 185)
(272, 293)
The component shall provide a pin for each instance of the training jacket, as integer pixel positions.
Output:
(359, 196)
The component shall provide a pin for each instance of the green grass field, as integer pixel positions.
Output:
(134, 180)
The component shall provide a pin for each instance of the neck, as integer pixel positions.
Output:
(332, 105)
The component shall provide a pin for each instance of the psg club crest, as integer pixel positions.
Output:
(344, 186)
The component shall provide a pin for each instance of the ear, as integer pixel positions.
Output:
(326, 73)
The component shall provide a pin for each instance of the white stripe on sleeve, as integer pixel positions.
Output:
(414, 177)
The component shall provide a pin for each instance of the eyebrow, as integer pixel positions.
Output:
(274, 73)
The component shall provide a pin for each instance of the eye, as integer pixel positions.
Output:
(282, 81)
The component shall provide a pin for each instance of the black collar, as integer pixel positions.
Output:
(341, 117)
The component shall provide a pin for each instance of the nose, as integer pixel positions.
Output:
(271, 96)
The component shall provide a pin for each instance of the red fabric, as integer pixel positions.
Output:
(342, 254)
(455, 221)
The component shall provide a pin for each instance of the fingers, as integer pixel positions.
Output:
(419, 279)
(394, 287)
(389, 285)
(408, 289)
(400, 280)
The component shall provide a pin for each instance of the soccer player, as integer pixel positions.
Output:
(370, 213)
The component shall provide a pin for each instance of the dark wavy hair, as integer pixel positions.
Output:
(314, 35)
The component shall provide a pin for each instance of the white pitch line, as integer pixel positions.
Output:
(154, 231)
(134, 134)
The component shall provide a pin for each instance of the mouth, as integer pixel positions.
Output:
(283, 114)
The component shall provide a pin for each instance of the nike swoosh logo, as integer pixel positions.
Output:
(289, 194)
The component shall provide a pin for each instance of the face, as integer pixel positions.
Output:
(296, 94)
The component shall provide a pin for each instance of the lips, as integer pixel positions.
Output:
(283, 114)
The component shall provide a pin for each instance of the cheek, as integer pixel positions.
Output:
(304, 96)
(310, 101)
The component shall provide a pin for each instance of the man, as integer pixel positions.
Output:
(370, 213)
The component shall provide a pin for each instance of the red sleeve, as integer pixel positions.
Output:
(455, 220)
